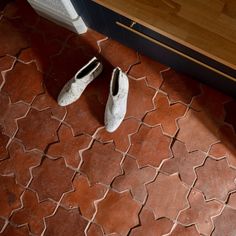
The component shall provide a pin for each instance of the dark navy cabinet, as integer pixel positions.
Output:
(157, 46)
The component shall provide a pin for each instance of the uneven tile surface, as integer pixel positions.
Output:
(169, 169)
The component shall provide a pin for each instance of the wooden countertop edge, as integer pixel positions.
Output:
(172, 37)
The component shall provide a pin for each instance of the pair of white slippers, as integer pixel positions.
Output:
(117, 101)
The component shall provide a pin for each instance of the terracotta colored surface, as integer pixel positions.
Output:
(83, 196)
(150, 146)
(167, 196)
(168, 170)
(118, 212)
(165, 115)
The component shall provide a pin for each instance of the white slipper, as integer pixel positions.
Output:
(117, 101)
(73, 89)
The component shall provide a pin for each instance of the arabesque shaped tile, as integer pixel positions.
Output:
(165, 191)
(46, 101)
(16, 231)
(165, 114)
(83, 196)
(6, 62)
(226, 147)
(139, 99)
(19, 163)
(33, 212)
(12, 39)
(215, 179)
(10, 193)
(84, 110)
(134, 179)
(48, 175)
(151, 227)
(3, 146)
(52, 30)
(94, 230)
(20, 79)
(200, 212)
(179, 87)
(150, 69)
(101, 163)
(212, 102)
(41, 126)
(150, 146)
(117, 213)
(40, 51)
(65, 222)
(88, 42)
(10, 113)
(180, 230)
(230, 116)
(2, 223)
(118, 54)
(183, 162)
(197, 130)
(69, 146)
(121, 136)
(225, 223)
(232, 200)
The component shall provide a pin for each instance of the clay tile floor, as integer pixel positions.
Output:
(169, 169)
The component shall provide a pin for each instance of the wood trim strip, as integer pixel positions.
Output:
(175, 51)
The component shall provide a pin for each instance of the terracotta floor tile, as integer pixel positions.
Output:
(150, 69)
(65, 222)
(215, 179)
(118, 54)
(6, 62)
(40, 51)
(197, 130)
(9, 194)
(9, 114)
(94, 230)
(200, 212)
(117, 213)
(226, 147)
(47, 176)
(225, 223)
(160, 197)
(3, 144)
(69, 146)
(86, 108)
(87, 41)
(12, 40)
(41, 126)
(212, 102)
(180, 230)
(52, 30)
(166, 114)
(150, 146)
(230, 117)
(179, 87)
(33, 212)
(121, 136)
(183, 162)
(13, 165)
(139, 94)
(232, 200)
(20, 79)
(46, 101)
(100, 159)
(83, 196)
(151, 227)
(134, 179)
(16, 231)
(2, 223)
